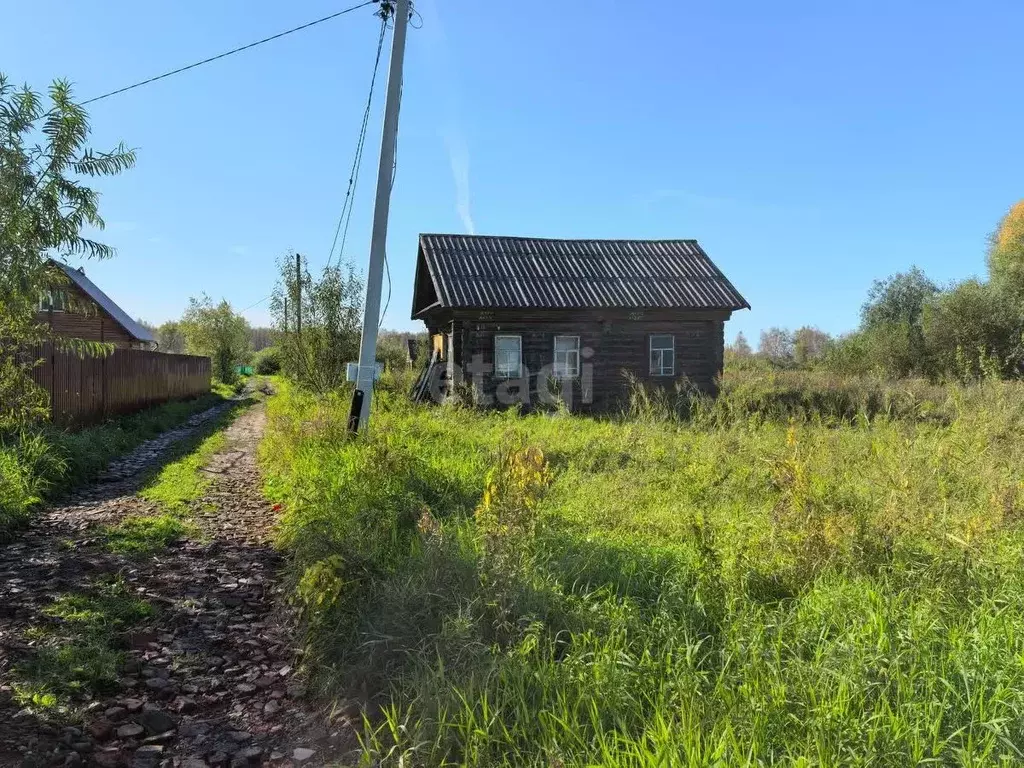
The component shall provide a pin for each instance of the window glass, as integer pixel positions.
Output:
(663, 355)
(567, 356)
(508, 356)
(52, 300)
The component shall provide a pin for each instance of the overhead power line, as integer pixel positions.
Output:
(230, 53)
(353, 177)
(255, 303)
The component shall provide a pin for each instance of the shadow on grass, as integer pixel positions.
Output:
(69, 606)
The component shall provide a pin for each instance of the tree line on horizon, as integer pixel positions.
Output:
(912, 326)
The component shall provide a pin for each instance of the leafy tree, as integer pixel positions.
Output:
(809, 344)
(43, 208)
(899, 298)
(776, 345)
(217, 332)
(1006, 253)
(974, 329)
(892, 316)
(331, 317)
(740, 348)
(170, 338)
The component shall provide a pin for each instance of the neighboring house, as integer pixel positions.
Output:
(511, 315)
(80, 310)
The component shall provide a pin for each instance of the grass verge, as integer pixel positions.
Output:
(744, 590)
(175, 487)
(43, 464)
(144, 535)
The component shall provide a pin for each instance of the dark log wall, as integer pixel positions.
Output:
(610, 343)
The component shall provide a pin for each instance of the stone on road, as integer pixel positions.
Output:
(208, 678)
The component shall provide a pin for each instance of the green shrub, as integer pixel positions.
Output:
(267, 362)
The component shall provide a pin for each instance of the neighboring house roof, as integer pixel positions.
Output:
(475, 271)
(90, 288)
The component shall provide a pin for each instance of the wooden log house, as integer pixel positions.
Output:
(519, 318)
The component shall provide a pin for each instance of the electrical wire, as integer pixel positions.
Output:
(345, 217)
(230, 53)
(256, 303)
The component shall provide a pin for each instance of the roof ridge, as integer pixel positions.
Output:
(564, 239)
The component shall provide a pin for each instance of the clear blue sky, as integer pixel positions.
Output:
(811, 147)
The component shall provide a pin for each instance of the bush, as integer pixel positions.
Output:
(267, 362)
(393, 352)
(974, 329)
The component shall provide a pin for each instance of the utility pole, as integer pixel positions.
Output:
(363, 395)
(298, 294)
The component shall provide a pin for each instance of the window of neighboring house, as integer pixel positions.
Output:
(508, 356)
(54, 301)
(567, 357)
(663, 355)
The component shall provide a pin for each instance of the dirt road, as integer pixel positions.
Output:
(206, 675)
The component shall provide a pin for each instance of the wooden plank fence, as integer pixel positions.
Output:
(87, 390)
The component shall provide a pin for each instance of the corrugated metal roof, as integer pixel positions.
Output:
(477, 271)
(133, 329)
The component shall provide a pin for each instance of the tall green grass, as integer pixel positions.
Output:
(821, 585)
(35, 465)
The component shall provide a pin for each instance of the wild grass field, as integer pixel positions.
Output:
(808, 572)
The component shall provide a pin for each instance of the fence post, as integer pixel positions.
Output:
(53, 382)
(103, 385)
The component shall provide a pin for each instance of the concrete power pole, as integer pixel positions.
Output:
(378, 243)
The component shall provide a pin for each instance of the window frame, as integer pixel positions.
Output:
(661, 371)
(47, 301)
(574, 373)
(519, 369)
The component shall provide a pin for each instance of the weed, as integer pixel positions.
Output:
(78, 653)
(803, 572)
(143, 534)
(112, 606)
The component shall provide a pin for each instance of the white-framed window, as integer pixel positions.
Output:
(567, 357)
(508, 356)
(663, 355)
(54, 301)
